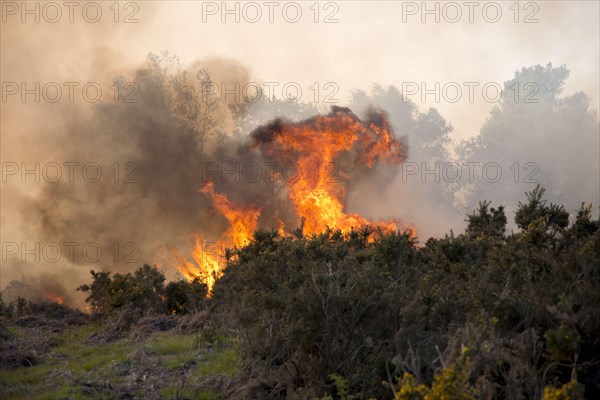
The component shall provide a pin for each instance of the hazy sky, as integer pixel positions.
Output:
(371, 44)
(366, 43)
(383, 42)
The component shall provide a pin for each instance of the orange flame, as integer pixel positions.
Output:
(208, 262)
(54, 297)
(318, 190)
(243, 221)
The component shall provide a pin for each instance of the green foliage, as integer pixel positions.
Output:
(99, 292)
(144, 292)
(569, 391)
(410, 389)
(313, 306)
(182, 297)
(486, 223)
(341, 389)
(373, 307)
(536, 212)
(584, 225)
(451, 383)
(562, 342)
(21, 306)
(295, 314)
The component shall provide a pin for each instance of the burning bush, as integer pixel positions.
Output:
(329, 154)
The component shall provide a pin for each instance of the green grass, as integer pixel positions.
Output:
(225, 362)
(170, 392)
(179, 361)
(59, 371)
(26, 375)
(164, 344)
(85, 358)
(64, 372)
(176, 352)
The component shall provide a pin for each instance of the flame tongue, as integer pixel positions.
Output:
(208, 265)
(243, 221)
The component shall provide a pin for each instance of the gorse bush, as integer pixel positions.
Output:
(451, 383)
(363, 314)
(143, 292)
(307, 307)
(376, 308)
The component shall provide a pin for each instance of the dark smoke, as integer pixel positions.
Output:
(163, 144)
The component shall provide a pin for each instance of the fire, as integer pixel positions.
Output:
(319, 187)
(207, 264)
(327, 151)
(54, 297)
(243, 221)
